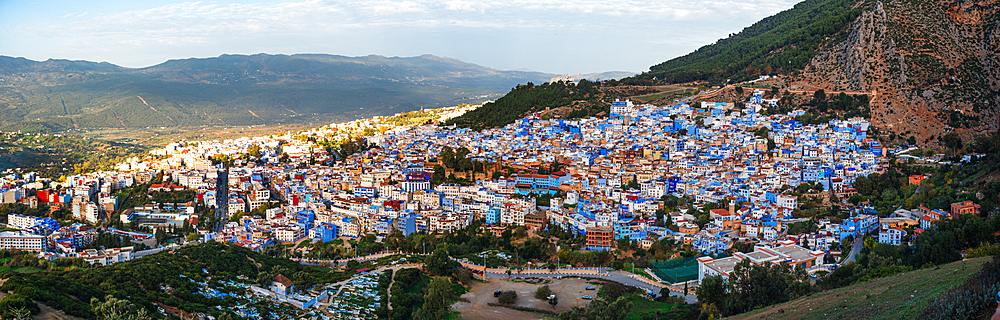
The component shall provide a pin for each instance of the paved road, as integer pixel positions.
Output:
(855, 249)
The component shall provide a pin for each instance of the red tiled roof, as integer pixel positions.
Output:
(283, 280)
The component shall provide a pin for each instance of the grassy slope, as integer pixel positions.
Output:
(902, 296)
(646, 309)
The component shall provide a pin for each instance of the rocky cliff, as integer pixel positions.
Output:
(931, 67)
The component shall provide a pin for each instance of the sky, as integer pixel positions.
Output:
(555, 36)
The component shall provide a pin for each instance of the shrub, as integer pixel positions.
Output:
(13, 302)
(985, 249)
(543, 293)
(508, 297)
(975, 299)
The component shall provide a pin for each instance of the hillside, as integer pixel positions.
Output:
(932, 66)
(190, 280)
(785, 40)
(556, 100)
(929, 67)
(52, 155)
(902, 296)
(524, 100)
(233, 90)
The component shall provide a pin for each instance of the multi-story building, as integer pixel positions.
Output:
(106, 256)
(600, 238)
(535, 222)
(288, 234)
(964, 207)
(786, 253)
(893, 236)
(23, 222)
(23, 241)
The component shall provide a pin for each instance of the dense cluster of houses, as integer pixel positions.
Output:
(603, 178)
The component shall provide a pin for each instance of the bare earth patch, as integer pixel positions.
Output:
(568, 291)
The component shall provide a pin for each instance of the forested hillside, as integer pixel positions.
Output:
(779, 42)
(527, 99)
(55, 95)
(190, 280)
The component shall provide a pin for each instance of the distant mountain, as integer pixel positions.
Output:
(596, 76)
(609, 75)
(54, 95)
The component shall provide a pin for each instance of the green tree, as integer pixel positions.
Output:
(520, 232)
(438, 263)
(15, 306)
(712, 291)
(436, 301)
(952, 141)
(254, 151)
(439, 174)
(753, 286)
(117, 309)
(161, 236)
(819, 95)
(602, 310)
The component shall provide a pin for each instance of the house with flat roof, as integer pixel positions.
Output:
(786, 253)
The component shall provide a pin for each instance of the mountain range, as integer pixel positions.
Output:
(229, 90)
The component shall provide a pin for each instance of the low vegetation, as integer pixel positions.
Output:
(169, 279)
(52, 155)
(903, 295)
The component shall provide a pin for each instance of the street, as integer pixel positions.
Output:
(855, 249)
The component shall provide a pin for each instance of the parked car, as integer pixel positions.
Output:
(497, 293)
(591, 288)
(588, 297)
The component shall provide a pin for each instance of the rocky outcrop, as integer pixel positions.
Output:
(932, 67)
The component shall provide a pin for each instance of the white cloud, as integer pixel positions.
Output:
(143, 37)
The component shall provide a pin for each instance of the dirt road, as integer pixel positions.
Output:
(568, 292)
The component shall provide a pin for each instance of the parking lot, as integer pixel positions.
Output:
(569, 292)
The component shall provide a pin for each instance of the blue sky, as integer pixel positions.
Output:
(557, 36)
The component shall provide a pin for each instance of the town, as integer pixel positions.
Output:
(707, 177)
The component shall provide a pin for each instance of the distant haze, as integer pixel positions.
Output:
(555, 36)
